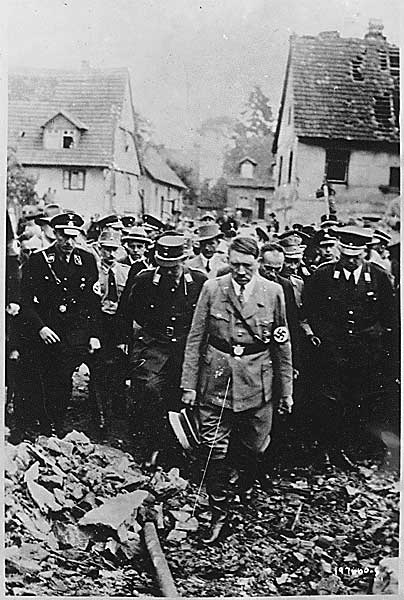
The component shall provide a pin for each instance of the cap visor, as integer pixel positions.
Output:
(351, 251)
(68, 231)
(169, 262)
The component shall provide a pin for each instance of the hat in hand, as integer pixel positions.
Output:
(185, 427)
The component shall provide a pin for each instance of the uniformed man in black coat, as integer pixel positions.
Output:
(61, 307)
(349, 307)
(162, 302)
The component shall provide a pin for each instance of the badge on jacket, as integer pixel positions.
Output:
(77, 260)
(281, 334)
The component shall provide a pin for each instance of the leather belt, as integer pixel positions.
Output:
(237, 350)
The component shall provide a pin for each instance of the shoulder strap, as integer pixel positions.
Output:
(246, 324)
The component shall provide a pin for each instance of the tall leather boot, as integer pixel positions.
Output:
(248, 473)
(216, 486)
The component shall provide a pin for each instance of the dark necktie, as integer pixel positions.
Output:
(112, 291)
(208, 267)
(351, 285)
(241, 295)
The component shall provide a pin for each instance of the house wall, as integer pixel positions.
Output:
(126, 198)
(160, 199)
(367, 170)
(244, 198)
(93, 199)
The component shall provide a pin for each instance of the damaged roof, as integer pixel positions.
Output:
(343, 88)
(91, 98)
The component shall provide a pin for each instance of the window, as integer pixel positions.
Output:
(394, 181)
(261, 208)
(280, 170)
(74, 179)
(289, 114)
(68, 139)
(247, 170)
(128, 185)
(290, 166)
(336, 165)
(357, 63)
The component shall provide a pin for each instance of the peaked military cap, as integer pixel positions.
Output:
(110, 221)
(152, 222)
(380, 236)
(69, 222)
(170, 250)
(328, 240)
(128, 220)
(353, 239)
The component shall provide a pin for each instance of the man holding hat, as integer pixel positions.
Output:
(61, 306)
(107, 372)
(207, 260)
(238, 344)
(349, 307)
(162, 301)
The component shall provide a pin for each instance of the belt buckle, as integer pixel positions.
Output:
(238, 351)
(169, 331)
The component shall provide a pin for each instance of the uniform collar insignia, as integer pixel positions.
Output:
(51, 258)
(188, 277)
(77, 260)
(156, 278)
(367, 277)
(337, 274)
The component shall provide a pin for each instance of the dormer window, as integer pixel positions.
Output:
(62, 132)
(68, 139)
(247, 166)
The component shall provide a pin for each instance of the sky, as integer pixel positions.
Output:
(189, 60)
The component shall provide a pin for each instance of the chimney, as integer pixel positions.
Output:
(329, 35)
(375, 30)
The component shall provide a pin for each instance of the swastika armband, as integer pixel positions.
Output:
(281, 335)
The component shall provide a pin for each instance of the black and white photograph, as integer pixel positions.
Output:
(202, 353)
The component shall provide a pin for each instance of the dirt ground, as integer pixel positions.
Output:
(314, 533)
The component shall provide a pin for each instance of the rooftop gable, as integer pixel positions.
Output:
(73, 120)
(343, 88)
(90, 97)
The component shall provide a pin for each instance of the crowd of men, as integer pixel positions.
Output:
(216, 323)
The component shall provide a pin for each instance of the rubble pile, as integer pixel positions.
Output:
(75, 511)
(73, 517)
(312, 534)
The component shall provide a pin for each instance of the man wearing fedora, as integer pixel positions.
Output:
(349, 308)
(108, 367)
(293, 249)
(61, 306)
(208, 261)
(162, 301)
(136, 242)
(238, 344)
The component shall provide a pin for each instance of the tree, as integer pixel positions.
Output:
(257, 117)
(20, 186)
(143, 132)
(214, 196)
(189, 178)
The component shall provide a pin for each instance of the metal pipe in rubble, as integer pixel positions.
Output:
(164, 577)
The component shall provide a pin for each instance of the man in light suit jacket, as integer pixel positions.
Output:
(238, 343)
(208, 261)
